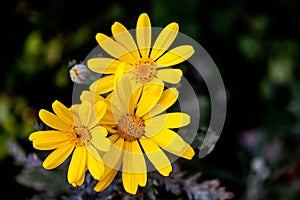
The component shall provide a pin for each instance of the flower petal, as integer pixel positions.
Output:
(156, 156)
(100, 109)
(48, 134)
(123, 37)
(90, 96)
(106, 179)
(108, 118)
(115, 49)
(95, 166)
(53, 121)
(131, 181)
(169, 120)
(143, 34)
(93, 151)
(175, 56)
(77, 165)
(49, 140)
(113, 158)
(58, 156)
(173, 143)
(121, 97)
(63, 112)
(87, 115)
(134, 172)
(153, 128)
(103, 65)
(145, 104)
(103, 85)
(133, 160)
(79, 181)
(164, 40)
(99, 140)
(135, 96)
(119, 73)
(170, 75)
(167, 99)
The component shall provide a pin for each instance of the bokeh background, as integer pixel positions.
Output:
(255, 45)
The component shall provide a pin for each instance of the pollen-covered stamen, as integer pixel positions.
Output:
(80, 135)
(130, 127)
(145, 70)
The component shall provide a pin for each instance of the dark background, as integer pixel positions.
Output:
(255, 45)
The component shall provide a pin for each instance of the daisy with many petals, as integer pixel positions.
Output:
(143, 61)
(138, 126)
(76, 133)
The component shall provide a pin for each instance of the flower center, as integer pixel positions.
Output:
(130, 127)
(145, 70)
(80, 135)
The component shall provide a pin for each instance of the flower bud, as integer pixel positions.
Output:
(80, 74)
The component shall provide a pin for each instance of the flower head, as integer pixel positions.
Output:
(80, 74)
(143, 62)
(138, 125)
(77, 133)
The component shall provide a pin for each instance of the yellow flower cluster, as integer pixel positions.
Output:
(128, 125)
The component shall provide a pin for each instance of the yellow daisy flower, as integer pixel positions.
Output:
(138, 126)
(144, 61)
(77, 132)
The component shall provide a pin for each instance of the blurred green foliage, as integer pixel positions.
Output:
(254, 43)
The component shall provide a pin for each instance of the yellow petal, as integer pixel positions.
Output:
(87, 114)
(113, 158)
(167, 99)
(77, 164)
(100, 109)
(134, 172)
(133, 160)
(189, 153)
(99, 140)
(103, 65)
(131, 181)
(63, 112)
(121, 96)
(173, 143)
(111, 129)
(115, 49)
(49, 140)
(143, 34)
(170, 75)
(134, 99)
(106, 179)
(103, 85)
(46, 145)
(145, 104)
(108, 119)
(58, 156)
(175, 56)
(156, 156)
(169, 120)
(95, 166)
(93, 151)
(123, 37)
(53, 121)
(75, 111)
(153, 129)
(119, 73)
(114, 138)
(91, 97)
(79, 181)
(164, 40)
(48, 134)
